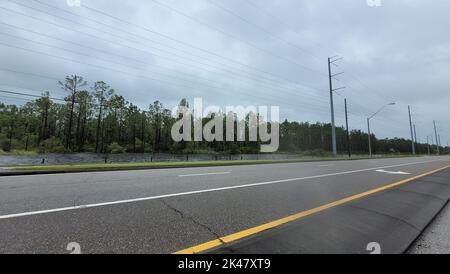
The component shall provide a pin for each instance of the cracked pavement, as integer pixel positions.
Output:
(183, 216)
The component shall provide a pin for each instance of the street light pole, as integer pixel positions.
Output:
(437, 138)
(370, 137)
(416, 144)
(348, 132)
(368, 126)
(412, 133)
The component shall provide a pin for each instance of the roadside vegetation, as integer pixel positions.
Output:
(94, 118)
(160, 165)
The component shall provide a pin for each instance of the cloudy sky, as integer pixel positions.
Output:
(241, 52)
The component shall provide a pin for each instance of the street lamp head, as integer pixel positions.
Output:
(391, 104)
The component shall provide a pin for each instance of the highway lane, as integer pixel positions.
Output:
(227, 201)
(40, 192)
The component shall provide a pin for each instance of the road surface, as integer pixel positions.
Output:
(165, 211)
(436, 238)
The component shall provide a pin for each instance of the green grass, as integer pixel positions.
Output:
(17, 153)
(131, 166)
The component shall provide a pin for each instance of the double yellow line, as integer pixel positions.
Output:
(258, 229)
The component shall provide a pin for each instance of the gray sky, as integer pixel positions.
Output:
(242, 52)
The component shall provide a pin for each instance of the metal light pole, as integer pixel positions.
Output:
(415, 140)
(348, 132)
(432, 142)
(437, 138)
(412, 133)
(368, 126)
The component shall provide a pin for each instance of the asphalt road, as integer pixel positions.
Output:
(164, 211)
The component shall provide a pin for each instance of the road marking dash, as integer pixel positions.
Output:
(204, 174)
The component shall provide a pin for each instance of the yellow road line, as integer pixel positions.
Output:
(258, 229)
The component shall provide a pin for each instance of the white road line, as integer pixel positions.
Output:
(393, 172)
(325, 165)
(204, 174)
(201, 191)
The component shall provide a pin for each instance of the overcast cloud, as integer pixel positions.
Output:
(274, 54)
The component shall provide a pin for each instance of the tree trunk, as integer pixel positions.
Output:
(69, 131)
(99, 124)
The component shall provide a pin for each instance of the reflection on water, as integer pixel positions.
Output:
(84, 158)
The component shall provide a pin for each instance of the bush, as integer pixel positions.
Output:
(249, 150)
(318, 153)
(52, 144)
(4, 145)
(115, 148)
(89, 148)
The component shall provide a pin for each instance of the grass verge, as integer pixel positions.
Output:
(160, 165)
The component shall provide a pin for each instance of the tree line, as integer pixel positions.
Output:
(97, 119)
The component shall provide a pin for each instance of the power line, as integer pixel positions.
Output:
(93, 104)
(115, 43)
(15, 98)
(30, 95)
(29, 73)
(188, 45)
(82, 63)
(309, 106)
(234, 37)
(37, 96)
(213, 2)
(39, 1)
(125, 57)
(138, 36)
(281, 22)
(251, 3)
(90, 56)
(273, 36)
(103, 67)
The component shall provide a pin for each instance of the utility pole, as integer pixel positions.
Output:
(370, 137)
(437, 138)
(412, 133)
(432, 142)
(428, 145)
(143, 131)
(348, 132)
(415, 139)
(333, 60)
(368, 126)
